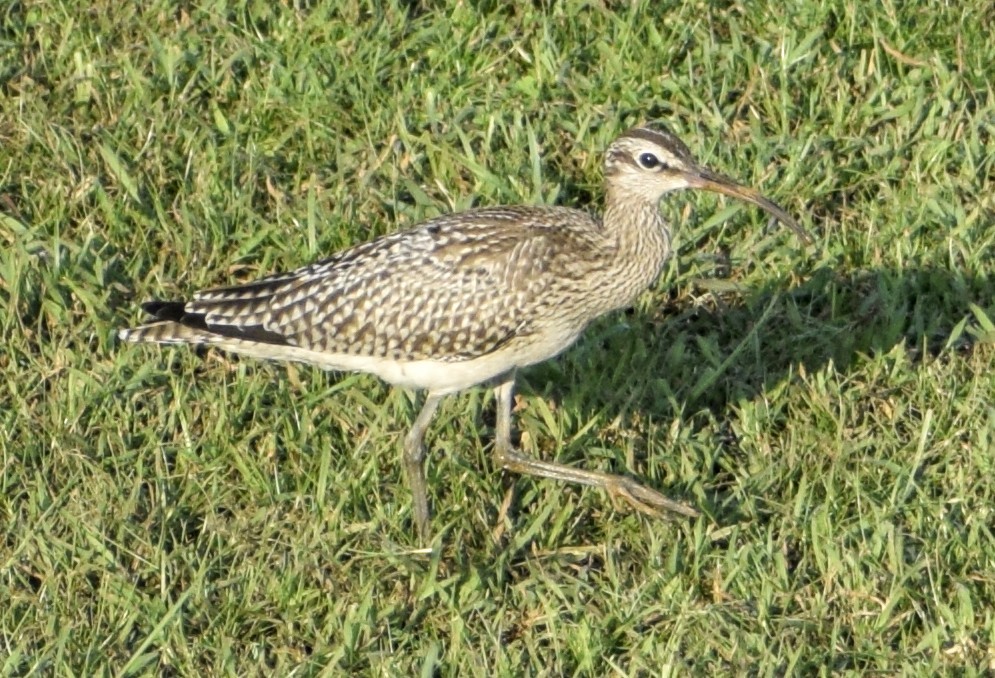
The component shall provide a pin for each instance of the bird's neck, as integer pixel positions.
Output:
(641, 241)
(640, 232)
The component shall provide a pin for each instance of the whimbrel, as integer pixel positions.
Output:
(467, 299)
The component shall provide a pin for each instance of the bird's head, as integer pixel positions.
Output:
(647, 162)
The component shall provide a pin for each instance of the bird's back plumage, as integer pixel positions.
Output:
(455, 288)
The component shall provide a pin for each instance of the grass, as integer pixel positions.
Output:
(831, 409)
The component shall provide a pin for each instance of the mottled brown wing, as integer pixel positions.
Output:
(453, 288)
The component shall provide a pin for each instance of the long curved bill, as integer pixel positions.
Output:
(702, 177)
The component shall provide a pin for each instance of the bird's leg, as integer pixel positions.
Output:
(413, 467)
(618, 487)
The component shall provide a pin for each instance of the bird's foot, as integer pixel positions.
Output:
(638, 496)
(645, 499)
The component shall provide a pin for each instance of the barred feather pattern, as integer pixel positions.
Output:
(452, 289)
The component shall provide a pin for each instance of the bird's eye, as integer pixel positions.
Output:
(648, 161)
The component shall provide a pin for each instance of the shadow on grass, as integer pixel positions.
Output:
(696, 358)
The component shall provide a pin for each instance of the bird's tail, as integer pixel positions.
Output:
(173, 323)
(166, 332)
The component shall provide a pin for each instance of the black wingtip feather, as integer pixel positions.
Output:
(165, 310)
(175, 311)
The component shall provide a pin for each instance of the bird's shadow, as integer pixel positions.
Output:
(704, 353)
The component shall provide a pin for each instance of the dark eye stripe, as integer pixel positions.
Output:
(619, 157)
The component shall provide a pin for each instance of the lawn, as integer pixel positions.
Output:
(830, 408)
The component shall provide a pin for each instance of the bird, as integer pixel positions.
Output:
(468, 299)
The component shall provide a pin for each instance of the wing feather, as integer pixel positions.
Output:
(454, 288)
